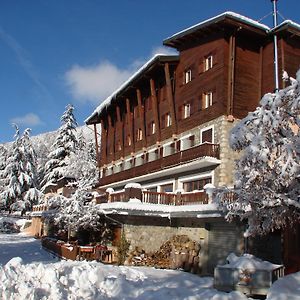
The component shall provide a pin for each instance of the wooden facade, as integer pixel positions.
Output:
(223, 68)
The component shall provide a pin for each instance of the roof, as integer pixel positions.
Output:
(288, 25)
(175, 39)
(146, 67)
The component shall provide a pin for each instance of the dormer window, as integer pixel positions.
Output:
(187, 76)
(208, 62)
(186, 110)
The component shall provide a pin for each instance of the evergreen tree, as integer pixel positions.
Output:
(267, 185)
(21, 192)
(64, 145)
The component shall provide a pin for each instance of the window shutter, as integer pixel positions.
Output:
(163, 121)
(180, 112)
(178, 145)
(207, 136)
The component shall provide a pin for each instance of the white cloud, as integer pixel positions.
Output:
(91, 84)
(96, 83)
(29, 119)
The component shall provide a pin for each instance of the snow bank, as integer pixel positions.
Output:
(287, 287)
(249, 262)
(91, 280)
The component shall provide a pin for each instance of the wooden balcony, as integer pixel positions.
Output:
(164, 198)
(178, 158)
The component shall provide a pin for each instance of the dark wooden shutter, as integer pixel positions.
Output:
(207, 136)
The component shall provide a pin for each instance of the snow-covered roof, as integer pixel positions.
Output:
(285, 24)
(216, 19)
(149, 63)
(249, 262)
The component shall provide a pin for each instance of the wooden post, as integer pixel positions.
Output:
(155, 109)
(111, 135)
(231, 67)
(130, 122)
(96, 141)
(142, 116)
(260, 72)
(282, 60)
(170, 98)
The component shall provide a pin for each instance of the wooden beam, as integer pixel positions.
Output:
(130, 122)
(97, 144)
(111, 135)
(118, 113)
(260, 74)
(142, 116)
(155, 109)
(170, 98)
(231, 67)
(282, 60)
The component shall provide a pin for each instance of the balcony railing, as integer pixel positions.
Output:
(149, 197)
(206, 149)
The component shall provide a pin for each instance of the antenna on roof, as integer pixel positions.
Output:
(276, 75)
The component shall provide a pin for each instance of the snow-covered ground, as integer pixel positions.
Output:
(29, 272)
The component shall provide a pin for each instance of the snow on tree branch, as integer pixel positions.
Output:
(267, 186)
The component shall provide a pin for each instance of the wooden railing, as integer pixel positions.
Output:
(159, 198)
(193, 198)
(118, 197)
(206, 149)
(165, 198)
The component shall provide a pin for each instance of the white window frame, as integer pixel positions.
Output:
(187, 76)
(208, 99)
(152, 127)
(182, 180)
(208, 63)
(164, 182)
(139, 134)
(186, 110)
(205, 129)
(168, 120)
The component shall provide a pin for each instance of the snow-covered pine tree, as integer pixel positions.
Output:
(21, 192)
(65, 144)
(267, 186)
(3, 179)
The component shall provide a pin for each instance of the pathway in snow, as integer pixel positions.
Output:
(28, 248)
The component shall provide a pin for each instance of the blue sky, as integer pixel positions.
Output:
(79, 51)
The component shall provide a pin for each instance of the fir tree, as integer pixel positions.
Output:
(64, 145)
(21, 192)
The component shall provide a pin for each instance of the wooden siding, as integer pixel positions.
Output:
(246, 84)
(202, 81)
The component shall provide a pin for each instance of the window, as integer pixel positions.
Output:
(196, 184)
(187, 76)
(166, 188)
(186, 110)
(168, 120)
(207, 136)
(152, 127)
(207, 100)
(208, 62)
(119, 146)
(139, 134)
(128, 140)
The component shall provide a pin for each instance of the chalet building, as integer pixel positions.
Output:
(167, 127)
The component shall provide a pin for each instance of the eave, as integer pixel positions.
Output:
(227, 21)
